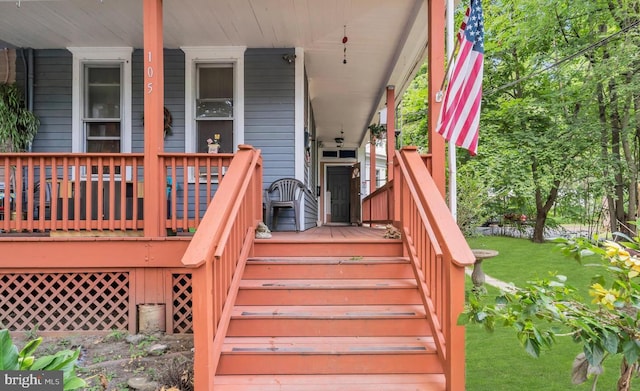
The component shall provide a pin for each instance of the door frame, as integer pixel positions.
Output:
(322, 198)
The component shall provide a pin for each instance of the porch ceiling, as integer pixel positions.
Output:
(387, 41)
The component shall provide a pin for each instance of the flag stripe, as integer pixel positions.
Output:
(459, 119)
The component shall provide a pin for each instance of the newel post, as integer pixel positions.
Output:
(153, 118)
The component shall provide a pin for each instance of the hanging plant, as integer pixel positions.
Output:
(378, 132)
(18, 126)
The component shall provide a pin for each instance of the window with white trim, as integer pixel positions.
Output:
(102, 108)
(214, 107)
(101, 99)
(214, 97)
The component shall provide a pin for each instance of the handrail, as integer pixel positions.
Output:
(217, 254)
(439, 254)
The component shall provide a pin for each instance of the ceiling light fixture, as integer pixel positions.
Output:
(290, 58)
(340, 140)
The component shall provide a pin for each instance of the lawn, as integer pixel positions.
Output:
(496, 361)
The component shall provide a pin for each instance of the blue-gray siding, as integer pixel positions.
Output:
(52, 99)
(269, 109)
(270, 116)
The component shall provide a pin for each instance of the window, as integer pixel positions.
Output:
(102, 114)
(101, 99)
(214, 106)
(214, 91)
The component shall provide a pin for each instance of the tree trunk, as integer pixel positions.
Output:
(604, 156)
(543, 206)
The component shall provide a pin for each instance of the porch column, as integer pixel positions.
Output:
(154, 214)
(391, 130)
(373, 185)
(436, 73)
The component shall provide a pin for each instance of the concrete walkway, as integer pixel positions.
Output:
(505, 286)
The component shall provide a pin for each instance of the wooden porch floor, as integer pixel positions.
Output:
(327, 232)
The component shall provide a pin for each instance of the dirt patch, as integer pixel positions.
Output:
(108, 362)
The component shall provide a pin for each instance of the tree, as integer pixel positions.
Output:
(413, 120)
(533, 128)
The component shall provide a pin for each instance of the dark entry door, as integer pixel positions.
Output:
(338, 183)
(355, 194)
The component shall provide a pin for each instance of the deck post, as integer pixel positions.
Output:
(436, 74)
(154, 117)
(373, 184)
(391, 130)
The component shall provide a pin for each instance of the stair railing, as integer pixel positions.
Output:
(439, 255)
(217, 254)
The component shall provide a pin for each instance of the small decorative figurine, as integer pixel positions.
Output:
(213, 146)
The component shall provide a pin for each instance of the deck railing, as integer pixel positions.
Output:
(49, 192)
(191, 181)
(377, 207)
(439, 254)
(217, 253)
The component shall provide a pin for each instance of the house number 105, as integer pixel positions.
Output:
(149, 75)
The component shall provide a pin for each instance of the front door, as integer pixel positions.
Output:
(355, 194)
(338, 185)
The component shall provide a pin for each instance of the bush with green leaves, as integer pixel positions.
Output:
(607, 328)
(24, 360)
(473, 196)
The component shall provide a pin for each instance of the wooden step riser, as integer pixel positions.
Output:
(283, 248)
(307, 271)
(369, 382)
(318, 364)
(288, 327)
(327, 297)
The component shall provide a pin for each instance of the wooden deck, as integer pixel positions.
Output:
(332, 232)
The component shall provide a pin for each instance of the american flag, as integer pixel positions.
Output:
(460, 112)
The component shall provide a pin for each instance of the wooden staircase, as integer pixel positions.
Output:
(329, 323)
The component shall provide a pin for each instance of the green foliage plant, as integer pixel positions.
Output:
(473, 196)
(607, 328)
(18, 125)
(24, 360)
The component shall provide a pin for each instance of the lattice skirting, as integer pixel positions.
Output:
(85, 301)
(65, 301)
(181, 297)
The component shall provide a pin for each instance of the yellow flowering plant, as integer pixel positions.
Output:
(607, 327)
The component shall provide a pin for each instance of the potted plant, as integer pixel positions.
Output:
(18, 125)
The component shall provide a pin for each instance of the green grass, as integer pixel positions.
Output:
(496, 361)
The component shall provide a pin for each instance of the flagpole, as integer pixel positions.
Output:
(453, 184)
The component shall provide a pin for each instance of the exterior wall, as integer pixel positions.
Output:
(270, 116)
(269, 109)
(52, 100)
